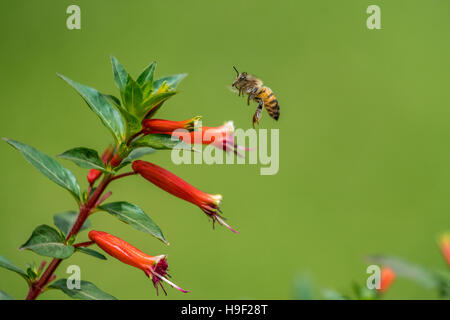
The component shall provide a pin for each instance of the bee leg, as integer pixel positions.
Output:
(257, 115)
(250, 96)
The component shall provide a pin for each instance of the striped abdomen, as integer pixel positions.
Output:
(269, 100)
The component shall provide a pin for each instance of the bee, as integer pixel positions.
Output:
(253, 87)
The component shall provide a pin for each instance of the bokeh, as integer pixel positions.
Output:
(364, 138)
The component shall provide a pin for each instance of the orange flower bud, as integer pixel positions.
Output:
(176, 186)
(154, 267)
(387, 278)
(445, 247)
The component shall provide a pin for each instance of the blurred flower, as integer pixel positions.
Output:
(176, 186)
(116, 160)
(154, 267)
(387, 278)
(445, 247)
(167, 126)
(108, 154)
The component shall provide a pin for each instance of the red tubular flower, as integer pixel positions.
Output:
(154, 267)
(221, 137)
(387, 278)
(445, 247)
(178, 187)
(167, 126)
(93, 175)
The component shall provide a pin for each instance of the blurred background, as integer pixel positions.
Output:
(364, 138)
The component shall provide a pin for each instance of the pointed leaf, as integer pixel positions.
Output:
(65, 221)
(107, 113)
(5, 296)
(135, 217)
(49, 167)
(91, 252)
(132, 123)
(132, 96)
(147, 75)
(46, 241)
(145, 80)
(161, 142)
(120, 74)
(8, 264)
(114, 100)
(85, 158)
(87, 291)
(172, 81)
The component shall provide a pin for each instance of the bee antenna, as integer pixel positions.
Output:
(236, 70)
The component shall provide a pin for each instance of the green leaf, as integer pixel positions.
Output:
(304, 287)
(133, 124)
(107, 113)
(5, 296)
(87, 291)
(161, 142)
(330, 294)
(135, 217)
(120, 74)
(114, 100)
(135, 154)
(172, 81)
(49, 167)
(132, 96)
(65, 221)
(147, 74)
(153, 101)
(8, 264)
(145, 80)
(91, 252)
(46, 241)
(85, 158)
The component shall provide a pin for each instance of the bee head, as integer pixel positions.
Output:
(239, 77)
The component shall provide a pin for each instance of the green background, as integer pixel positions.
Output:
(364, 138)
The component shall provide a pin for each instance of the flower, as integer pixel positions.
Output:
(221, 137)
(94, 174)
(167, 126)
(387, 278)
(176, 186)
(154, 267)
(445, 247)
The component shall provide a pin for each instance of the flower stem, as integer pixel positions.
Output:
(37, 287)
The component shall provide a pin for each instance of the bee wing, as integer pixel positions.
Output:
(233, 89)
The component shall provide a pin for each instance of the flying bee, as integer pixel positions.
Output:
(253, 87)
